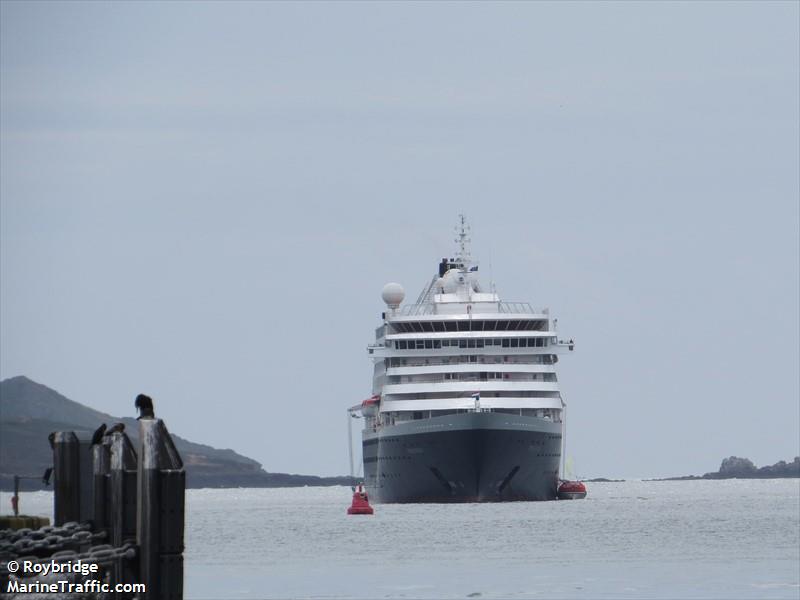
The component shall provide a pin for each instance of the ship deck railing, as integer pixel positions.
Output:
(429, 308)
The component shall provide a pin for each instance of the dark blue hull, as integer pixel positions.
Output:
(466, 458)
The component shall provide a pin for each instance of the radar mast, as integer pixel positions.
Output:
(463, 240)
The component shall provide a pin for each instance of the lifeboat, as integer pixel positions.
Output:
(571, 490)
(360, 505)
(369, 407)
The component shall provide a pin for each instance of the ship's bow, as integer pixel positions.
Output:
(466, 457)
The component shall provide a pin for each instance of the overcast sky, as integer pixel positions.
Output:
(202, 202)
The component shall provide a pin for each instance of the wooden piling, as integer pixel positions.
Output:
(122, 492)
(122, 502)
(138, 500)
(161, 485)
(86, 476)
(101, 469)
(66, 468)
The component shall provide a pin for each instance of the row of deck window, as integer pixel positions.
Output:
(471, 376)
(471, 343)
(391, 418)
(469, 325)
(519, 359)
(439, 395)
(483, 376)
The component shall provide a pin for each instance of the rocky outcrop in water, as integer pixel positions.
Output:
(734, 467)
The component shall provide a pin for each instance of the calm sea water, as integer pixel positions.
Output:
(688, 539)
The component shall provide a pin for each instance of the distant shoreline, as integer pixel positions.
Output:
(682, 478)
(732, 467)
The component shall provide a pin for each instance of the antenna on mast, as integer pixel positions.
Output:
(463, 240)
(491, 274)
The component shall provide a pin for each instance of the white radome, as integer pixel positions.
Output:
(393, 294)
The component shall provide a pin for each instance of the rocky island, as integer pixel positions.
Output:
(734, 467)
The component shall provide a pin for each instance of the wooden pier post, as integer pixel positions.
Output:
(72, 467)
(138, 501)
(86, 476)
(161, 488)
(66, 468)
(122, 496)
(122, 502)
(101, 469)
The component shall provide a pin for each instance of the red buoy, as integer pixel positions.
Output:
(571, 490)
(360, 505)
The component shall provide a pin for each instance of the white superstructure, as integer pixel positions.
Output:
(460, 348)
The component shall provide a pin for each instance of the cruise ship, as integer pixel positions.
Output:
(465, 403)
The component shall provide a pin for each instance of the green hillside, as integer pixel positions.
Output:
(29, 411)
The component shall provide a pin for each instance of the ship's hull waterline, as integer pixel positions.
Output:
(466, 457)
